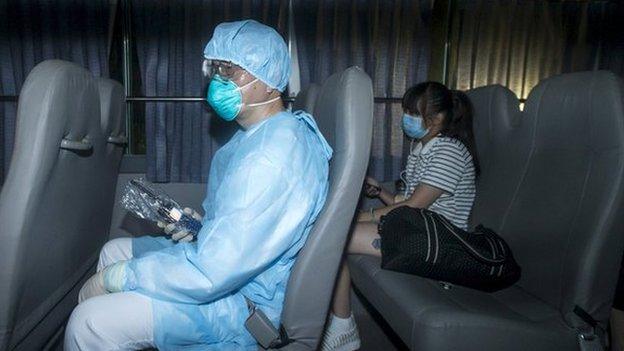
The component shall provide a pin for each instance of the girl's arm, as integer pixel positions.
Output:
(386, 197)
(372, 188)
(422, 197)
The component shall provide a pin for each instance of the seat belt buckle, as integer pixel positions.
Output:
(589, 342)
(261, 328)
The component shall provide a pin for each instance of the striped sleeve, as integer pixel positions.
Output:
(446, 167)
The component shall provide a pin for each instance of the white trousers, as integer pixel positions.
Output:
(121, 321)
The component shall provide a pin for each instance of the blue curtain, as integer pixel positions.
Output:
(181, 138)
(389, 39)
(518, 43)
(609, 32)
(32, 31)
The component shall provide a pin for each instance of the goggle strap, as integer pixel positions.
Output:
(248, 84)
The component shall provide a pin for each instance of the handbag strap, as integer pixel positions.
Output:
(472, 250)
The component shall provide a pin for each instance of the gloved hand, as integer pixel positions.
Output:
(109, 280)
(93, 287)
(180, 235)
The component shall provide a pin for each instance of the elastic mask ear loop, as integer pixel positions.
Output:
(264, 102)
(259, 103)
(403, 176)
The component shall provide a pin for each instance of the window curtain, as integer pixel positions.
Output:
(36, 30)
(182, 137)
(389, 40)
(518, 43)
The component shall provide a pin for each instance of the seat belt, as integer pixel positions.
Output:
(263, 330)
(588, 340)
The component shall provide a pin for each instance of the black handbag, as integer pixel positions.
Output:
(424, 243)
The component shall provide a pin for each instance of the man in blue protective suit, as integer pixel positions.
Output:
(267, 185)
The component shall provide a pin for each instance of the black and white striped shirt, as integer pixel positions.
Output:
(446, 164)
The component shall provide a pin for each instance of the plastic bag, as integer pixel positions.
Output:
(149, 202)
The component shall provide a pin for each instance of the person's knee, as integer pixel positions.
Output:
(114, 321)
(81, 327)
(113, 251)
(362, 240)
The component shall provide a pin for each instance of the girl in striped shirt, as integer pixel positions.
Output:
(439, 175)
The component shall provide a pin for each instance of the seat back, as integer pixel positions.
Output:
(47, 207)
(500, 146)
(344, 112)
(566, 215)
(113, 128)
(306, 99)
(495, 113)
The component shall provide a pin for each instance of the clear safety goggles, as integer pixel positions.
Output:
(226, 70)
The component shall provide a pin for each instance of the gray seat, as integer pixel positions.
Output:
(570, 247)
(496, 113)
(112, 105)
(344, 112)
(498, 138)
(562, 218)
(426, 316)
(306, 99)
(50, 229)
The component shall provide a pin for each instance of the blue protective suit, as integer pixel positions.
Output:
(267, 185)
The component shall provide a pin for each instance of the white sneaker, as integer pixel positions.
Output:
(341, 335)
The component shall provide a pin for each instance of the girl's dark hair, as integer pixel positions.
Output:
(430, 98)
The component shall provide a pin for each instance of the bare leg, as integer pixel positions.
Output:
(363, 241)
(342, 301)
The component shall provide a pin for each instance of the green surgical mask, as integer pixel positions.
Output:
(226, 98)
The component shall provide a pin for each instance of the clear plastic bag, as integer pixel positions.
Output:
(147, 201)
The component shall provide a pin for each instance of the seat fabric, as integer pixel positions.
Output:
(552, 185)
(306, 99)
(344, 112)
(429, 317)
(113, 126)
(50, 208)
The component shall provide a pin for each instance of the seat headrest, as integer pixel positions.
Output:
(112, 107)
(53, 103)
(496, 114)
(306, 99)
(496, 109)
(578, 111)
(338, 102)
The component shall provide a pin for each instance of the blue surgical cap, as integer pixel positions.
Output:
(255, 47)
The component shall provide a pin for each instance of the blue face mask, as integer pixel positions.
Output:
(413, 126)
(225, 97)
